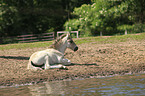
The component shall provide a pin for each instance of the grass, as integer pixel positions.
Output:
(25, 45)
(97, 40)
(111, 39)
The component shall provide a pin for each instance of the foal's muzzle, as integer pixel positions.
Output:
(76, 48)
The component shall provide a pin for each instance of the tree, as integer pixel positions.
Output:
(31, 16)
(106, 16)
(34, 16)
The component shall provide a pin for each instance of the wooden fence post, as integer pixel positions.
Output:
(125, 32)
(101, 33)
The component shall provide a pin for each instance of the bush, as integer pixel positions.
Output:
(106, 16)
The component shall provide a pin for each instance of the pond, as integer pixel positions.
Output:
(106, 86)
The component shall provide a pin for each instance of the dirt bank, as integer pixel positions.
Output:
(90, 60)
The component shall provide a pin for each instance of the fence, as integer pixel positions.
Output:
(27, 38)
(60, 32)
(35, 37)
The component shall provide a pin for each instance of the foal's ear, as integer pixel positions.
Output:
(68, 35)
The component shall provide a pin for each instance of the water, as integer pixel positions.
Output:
(109, 86)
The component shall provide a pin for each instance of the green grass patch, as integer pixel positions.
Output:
(111, 39)
(25, 45)
(96, 40)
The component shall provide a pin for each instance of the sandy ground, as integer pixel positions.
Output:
(90, 60)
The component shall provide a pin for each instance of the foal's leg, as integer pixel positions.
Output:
(47, 65)
(57, 66)
(65, 61)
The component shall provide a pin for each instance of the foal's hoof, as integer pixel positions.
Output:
(64, 67)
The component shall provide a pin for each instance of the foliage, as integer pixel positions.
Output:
(107, 16)
(34, 16)
(124, 27)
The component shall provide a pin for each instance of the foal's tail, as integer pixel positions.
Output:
(36, 65)
(32, 63)
(29, 65)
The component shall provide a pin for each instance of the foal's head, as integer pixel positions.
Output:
(63, 42)
(70, 43)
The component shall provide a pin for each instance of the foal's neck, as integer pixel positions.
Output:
(61, 48)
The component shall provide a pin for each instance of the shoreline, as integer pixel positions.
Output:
(69, 79)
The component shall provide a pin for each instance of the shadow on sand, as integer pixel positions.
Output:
(27, 58)
(15, 57)
(83, 64)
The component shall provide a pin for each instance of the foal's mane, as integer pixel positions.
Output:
(57, 41)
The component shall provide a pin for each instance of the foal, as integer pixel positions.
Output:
(54, 56)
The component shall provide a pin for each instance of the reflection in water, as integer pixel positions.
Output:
(117, 85)
(54, 88)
